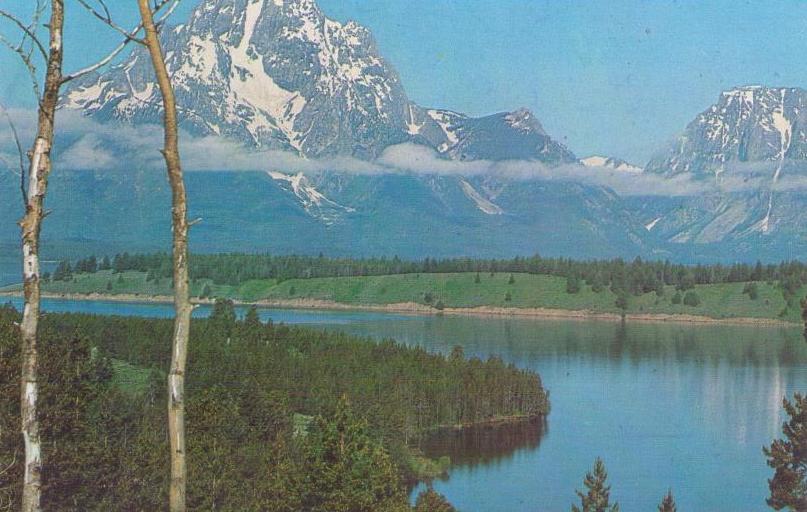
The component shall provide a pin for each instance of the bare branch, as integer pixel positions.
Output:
(107, 19)
(130, 37)
(28, 31)
(20, 153)
(105, 8)
(26, 60)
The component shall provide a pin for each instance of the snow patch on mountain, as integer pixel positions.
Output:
(447, 121)
(522, 120)
(485, 205)
(650, 225)
(312, 200)
(279, 74)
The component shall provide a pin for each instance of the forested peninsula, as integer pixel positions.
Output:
(280, 418)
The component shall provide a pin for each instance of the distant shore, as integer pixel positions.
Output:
(413, 308)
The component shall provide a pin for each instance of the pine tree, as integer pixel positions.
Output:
(346, 469)
(788, 458)
(222, 318)
(622, 301)
(572, 284)
(597, 499)
(512, 279)
(668, 503)
(597, 283)
(63, 272)
(105, 264)
(477, 279)
(251, 319)
(432, 501)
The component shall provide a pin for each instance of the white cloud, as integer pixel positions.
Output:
(85, 144)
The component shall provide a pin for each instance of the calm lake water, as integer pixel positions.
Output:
(686, 407)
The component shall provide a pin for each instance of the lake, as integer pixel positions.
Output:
(665, 405)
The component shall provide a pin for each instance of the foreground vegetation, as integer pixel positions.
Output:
(279, 418)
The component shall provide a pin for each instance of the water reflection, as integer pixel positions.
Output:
(487, 444)
(666, 405)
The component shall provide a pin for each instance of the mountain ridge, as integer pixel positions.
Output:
(280, 74)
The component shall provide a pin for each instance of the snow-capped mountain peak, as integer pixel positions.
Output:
(611, 163)
(272, 73)
(524, 120)
(754, 133)
(282, 75)
(746, 124)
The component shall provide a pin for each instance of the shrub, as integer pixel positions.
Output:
(691, 299)
(676, 299)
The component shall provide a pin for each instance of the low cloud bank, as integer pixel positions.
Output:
(87, 145)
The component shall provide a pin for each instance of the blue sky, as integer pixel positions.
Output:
(616, 77)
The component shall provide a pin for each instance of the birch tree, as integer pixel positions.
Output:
(34, 190)
(34, 185)
(182, 304)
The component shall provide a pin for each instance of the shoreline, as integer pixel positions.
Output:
(412, 308)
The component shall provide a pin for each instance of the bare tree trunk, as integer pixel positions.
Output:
(182, 305)
(31, 223)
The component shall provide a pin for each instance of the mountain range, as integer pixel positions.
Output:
(280, 75)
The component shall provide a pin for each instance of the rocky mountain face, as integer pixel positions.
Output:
(272, 73)
(747, 124)
(514, 135)
(745, 153)
(280, 74)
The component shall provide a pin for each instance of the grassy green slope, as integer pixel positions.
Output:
(455, 290)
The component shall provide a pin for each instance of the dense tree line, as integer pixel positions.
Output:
(635, 277)
(106, 442)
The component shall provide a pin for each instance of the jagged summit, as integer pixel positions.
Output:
(280, 74)
(273, 73)
(514, 135)
(745, 145)
(746, 124)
